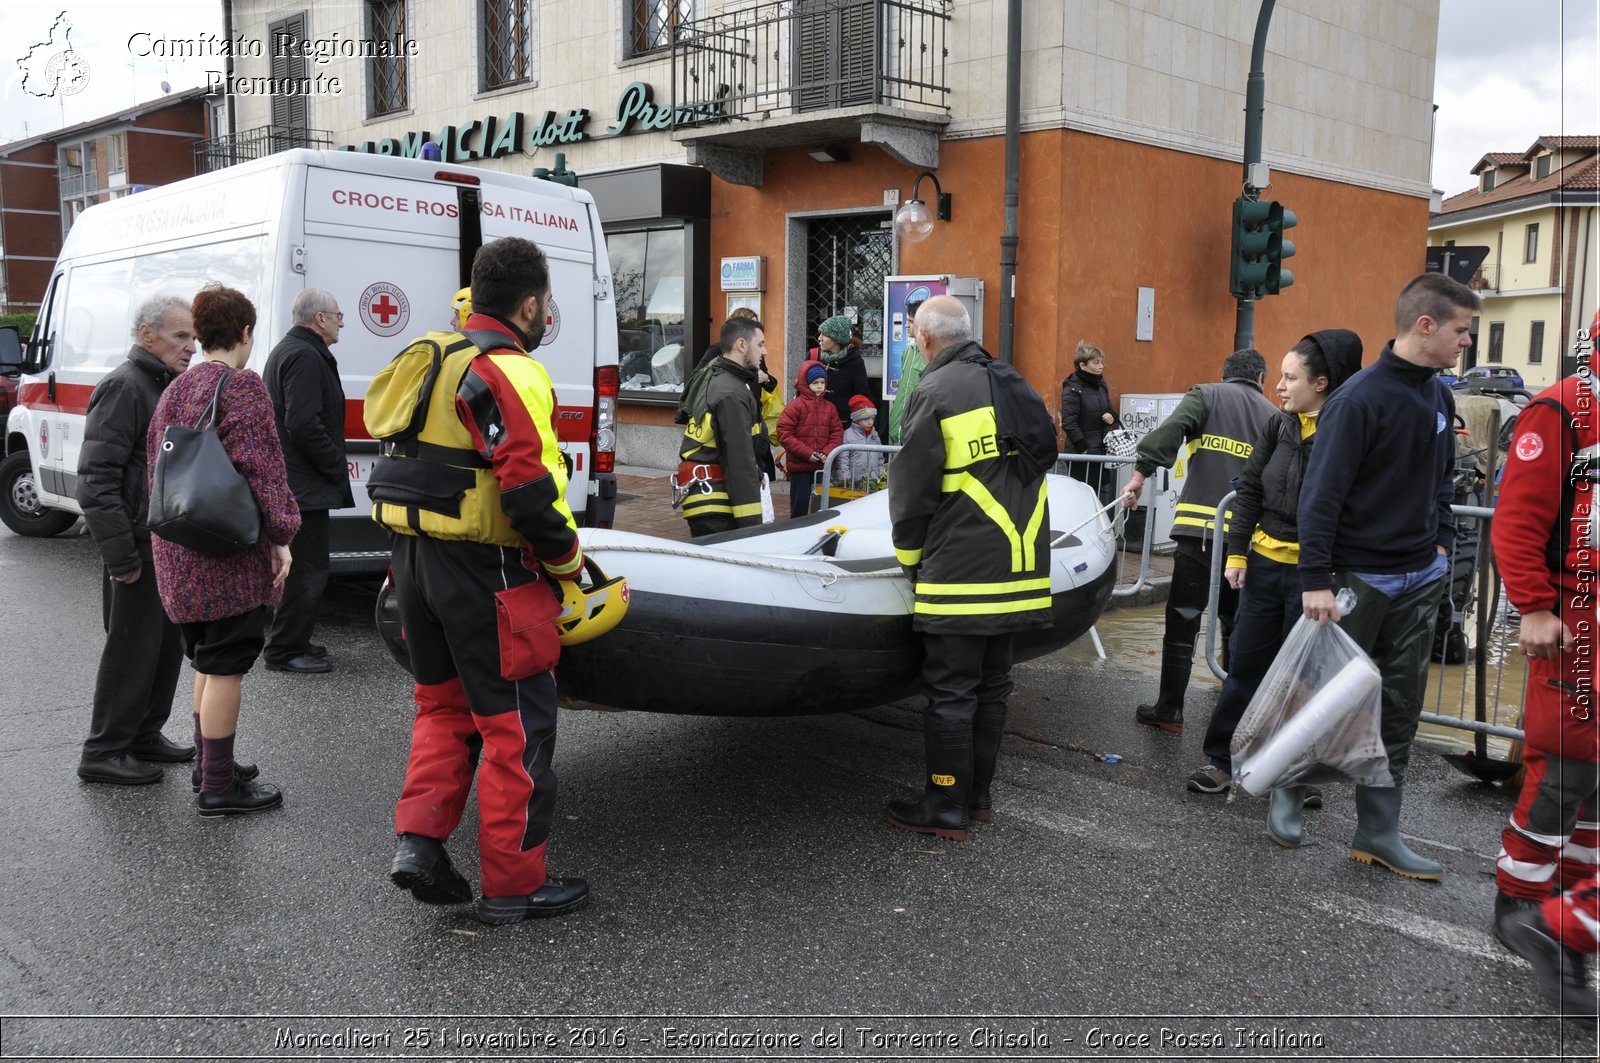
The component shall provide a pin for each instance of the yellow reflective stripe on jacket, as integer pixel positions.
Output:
(1193, 516)
(749, 509)
(1021, 605)
(1023, 554)
(1239, 448)
(969, 438)
(909, 558)
(1011, 587)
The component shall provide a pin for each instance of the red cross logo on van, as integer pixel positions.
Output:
(385, 310)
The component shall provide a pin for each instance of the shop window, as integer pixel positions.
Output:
(1536, 343)
(386, 75)
(652, 24)
(647, 273)
(1497, 341)
(506, 38)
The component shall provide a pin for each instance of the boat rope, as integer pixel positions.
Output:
(750, 561)
(828, 577)
(1116, 522)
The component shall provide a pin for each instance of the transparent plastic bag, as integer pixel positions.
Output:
(1315, 717)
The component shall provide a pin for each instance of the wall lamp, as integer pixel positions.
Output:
(831, 153)
(913, 220)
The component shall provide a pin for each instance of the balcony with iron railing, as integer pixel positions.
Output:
(223, 151)
(1486, 279)
(790, 72)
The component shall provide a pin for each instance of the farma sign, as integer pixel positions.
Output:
(493, 137)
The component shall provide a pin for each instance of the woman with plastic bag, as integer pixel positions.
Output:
(1263, 549)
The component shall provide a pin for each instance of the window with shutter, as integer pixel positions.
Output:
(291, 117)
(835, 44)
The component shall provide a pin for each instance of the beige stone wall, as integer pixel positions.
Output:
(1349, 85)
(1348, 88)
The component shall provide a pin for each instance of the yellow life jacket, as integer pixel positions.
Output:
(431, 479)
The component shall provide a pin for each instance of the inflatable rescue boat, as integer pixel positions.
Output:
(804, 616)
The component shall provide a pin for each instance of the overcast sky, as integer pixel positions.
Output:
(1509, 71)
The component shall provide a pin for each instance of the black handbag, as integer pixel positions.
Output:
(198, 499)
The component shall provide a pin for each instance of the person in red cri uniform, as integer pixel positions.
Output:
(1548, 906)
(474, 486)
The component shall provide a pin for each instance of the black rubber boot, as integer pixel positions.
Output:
(987, 732)
(1284, 823)
(1508, 909)
(1377, 839)
(942, 809)
(1167, 712)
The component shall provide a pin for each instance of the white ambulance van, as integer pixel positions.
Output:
(391, 238)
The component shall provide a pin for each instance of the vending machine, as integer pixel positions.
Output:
(897, 292)
(1141, 413)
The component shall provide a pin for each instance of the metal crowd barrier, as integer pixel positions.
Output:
(1490, 650)
(1120, 589)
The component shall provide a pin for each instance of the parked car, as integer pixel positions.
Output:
(1493, 375)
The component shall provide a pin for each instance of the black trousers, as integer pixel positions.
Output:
(296, 619)
(967, 679)
(138, 668)
(1186, 604)
(1269, 605)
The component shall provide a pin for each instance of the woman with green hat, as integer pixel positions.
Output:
(837, 347)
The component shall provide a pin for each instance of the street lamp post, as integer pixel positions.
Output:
(1255, 104)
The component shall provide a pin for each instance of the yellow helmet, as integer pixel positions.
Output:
(587, 612)
(462, 305)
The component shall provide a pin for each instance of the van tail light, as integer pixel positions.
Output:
(607, 382)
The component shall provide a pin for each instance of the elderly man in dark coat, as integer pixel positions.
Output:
(143, 652)
(308, 403)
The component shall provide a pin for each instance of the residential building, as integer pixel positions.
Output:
(785, 132)
(1534, 212)
(46, 181)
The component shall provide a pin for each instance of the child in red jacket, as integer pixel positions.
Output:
(809, 430)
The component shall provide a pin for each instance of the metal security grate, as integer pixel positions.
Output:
(386, 76)
(847, 260)
(506, 39)
(654, 23)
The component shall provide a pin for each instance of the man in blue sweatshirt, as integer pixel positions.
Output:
(1375, 518)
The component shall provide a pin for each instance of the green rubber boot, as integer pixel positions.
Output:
(1377, 839)
(1284, 824)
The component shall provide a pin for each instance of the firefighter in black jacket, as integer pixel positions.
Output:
(473, 484)
(971, 526)
(719, 475)
(1216, 427)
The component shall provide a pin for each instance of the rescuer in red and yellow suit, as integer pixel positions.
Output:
(474, 485)
(1545, 548)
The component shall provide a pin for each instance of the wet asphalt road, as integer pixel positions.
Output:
(740, 868)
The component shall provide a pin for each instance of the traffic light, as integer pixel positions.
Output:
(1256, 267)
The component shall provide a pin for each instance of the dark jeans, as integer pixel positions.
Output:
(296, 619)
(1269, 605)
(800, 495)
(138, 668)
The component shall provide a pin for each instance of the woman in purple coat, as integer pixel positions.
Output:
(222, 604)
